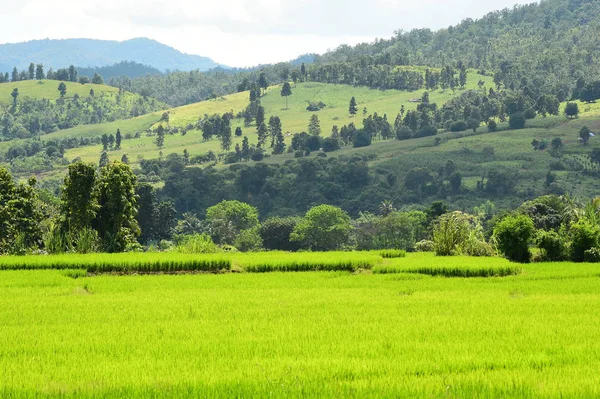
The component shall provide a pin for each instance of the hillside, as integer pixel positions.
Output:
(48, 89)
(294, 120)
(98, 53)
(129, 69)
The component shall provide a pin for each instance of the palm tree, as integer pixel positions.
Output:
(386, 207)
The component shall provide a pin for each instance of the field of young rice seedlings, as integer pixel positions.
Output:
(452, 266)
(314, 334)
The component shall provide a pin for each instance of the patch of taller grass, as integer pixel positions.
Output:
(305, 261)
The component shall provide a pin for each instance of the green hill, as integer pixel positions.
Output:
(294, 120)
(48, 89)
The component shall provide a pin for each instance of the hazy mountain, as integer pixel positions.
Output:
(125, 68)
(98, 53)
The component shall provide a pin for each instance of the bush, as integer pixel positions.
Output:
(248, 240)
(552, 246)
(517, 121)
(425, 246)
(458, 126)
(584, 237)
(457, 233)
(512, 235)
(592, 255)
(427, 131)
(330, 144)
(404, 133)
(196, 244)
(361, 139)
(323, 228)
(275, 233)
(492, 126)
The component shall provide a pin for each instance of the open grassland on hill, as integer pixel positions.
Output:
(321, 334)
(48, 89)
(294, 120)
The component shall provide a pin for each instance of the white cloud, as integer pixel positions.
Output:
(235, 32)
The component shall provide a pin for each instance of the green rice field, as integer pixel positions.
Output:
(393, 327)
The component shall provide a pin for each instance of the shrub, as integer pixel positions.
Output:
(249, 240)
(404, 133)
(427, 131)
(592, 255)
(425, 246)
(330, 144)
(361, 139)
(517, 121)
(275, 233)
(584, 237)
(552, 246)
(458, 126)
(323, 228)
(492, 126)
(512, 235)
(451, 233)
(196, 244)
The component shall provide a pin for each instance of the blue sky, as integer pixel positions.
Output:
(235, 32)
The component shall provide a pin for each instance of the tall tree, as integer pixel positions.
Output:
(160, 136)
(226, 136)
(274, 128)
(245, 149)
(15, 96)
(31, 71)
(15, 75)
(303, 71)
(104, 141)
(62, 88)
(262, 82)
(39, 72)
(118, 139)
(260, 115)
(286, 91)
(352, 109)
(115, 221)
(279, 147)
(262, 134)
(79, 202)
(72, 74)
(103, 159)
(314, 126)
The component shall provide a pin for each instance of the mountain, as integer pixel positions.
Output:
(124, 68)
(98, 53)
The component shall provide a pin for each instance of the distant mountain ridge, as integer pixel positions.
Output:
(99, 53)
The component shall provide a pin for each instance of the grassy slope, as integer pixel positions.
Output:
(48, 89)
(294, 120)
(302, 334)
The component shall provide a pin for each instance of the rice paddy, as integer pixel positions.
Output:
(356, 333)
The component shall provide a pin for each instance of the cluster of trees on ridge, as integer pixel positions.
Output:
(107, 211)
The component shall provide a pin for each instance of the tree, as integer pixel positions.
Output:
(517, 121)
(572, 110)
(323, 228)
(15, 96)
(62, 88)
(226, 136)
(463, 77)
(31, 71)
(228, 218)
(104, 141)
(111, 141)
(115, 221)
(275, 233)
(260, 115)
(160, 136)
(125, 159)
(262, 134)
(352, 109)
(92, 93)
(238, 132)
(146, 215)
(262, 82)
(15, 75)
(39, 72)
(513, 235)
(72, 74)
(79, 198)
(118, 139)
(314, 126)
(275, 128)
(103, 159)
(97, 79)
(245, 149)
(286, 91)
(279, 147)
(584, 135)
(303, 71)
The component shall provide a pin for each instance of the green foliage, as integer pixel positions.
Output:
(196, 244)
(457, 233)
(584, 237)
(592, 255)
(392, 253)
(79, 198)
(228, 218)
(276, 231)
(513, 235)
(425, 246)
(323, 228)
(115, 220)
(552, 246)
(249, 240)
(517, 120)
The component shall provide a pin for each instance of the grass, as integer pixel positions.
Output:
(325, 334)
(294, 120)
(48, 89)
(459, 266)
(305, 261)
